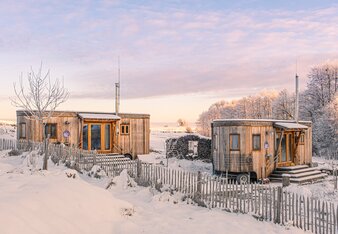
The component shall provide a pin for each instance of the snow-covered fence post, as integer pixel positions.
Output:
(139, 169)
(45, 159)
(199, 187)
(279, 204)
(335, 173)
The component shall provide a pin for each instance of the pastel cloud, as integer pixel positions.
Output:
(172, 50)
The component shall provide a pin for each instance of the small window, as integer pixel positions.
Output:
(256, 142)
(50, 129)
(125, 129)
(22, 130)
(234, 141)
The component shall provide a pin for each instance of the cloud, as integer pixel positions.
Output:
(173, 50)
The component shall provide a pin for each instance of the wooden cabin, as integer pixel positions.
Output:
(256, 147)
(105, 132)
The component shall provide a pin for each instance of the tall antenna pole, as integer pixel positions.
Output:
(117, 90)
(297, 96)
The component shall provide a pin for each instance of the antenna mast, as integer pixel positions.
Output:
(117, 90)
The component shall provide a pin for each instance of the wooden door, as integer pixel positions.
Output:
(285, 152)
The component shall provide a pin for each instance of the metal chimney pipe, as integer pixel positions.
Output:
(297, 99)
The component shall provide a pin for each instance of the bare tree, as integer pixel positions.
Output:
(39, 99)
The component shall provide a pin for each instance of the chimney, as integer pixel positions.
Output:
(117, 91)
(297, 99)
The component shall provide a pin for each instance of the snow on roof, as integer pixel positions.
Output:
(98, 116)
(259, 120)
(289, 125)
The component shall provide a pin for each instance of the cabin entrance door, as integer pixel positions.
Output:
(285, 151)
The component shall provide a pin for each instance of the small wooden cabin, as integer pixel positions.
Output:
(257, 146)
(105, 132)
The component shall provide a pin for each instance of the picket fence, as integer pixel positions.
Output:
(273, 204)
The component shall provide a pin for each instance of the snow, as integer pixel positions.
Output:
(98, 116)
(7, 129)
(290, 125)
(61, 200)
(158, 156)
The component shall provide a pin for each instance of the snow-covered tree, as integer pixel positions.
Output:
(39, 98)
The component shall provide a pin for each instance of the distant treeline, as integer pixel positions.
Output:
(318, 103)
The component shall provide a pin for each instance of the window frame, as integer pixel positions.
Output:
(231, 140)
(48, 130)
(20, 130)
(125, 129)
(260, 142)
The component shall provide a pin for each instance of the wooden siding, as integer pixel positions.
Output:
(263, 159)
(136, 142)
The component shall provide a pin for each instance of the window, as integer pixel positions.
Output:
(256, 142)
(234, 141)
(124, 129)
(22, 130)
(107, 137)
(85, 137)
(50, 129)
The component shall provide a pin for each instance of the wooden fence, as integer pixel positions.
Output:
(273, 204)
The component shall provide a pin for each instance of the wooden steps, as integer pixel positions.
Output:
(298, 174)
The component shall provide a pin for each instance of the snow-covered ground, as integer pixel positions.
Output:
(157, 154)
(7, 129)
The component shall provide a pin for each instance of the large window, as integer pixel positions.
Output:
(22, 130)
(85, 137)
(50, 130)
(234, 142)
(125, 129)
(107, 137)
(256, 142)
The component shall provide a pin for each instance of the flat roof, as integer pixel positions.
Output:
(258, 120)
(288, 125)
(98, 116)
(62, 113)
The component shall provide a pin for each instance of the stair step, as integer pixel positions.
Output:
(298, 175)
(302, 179)
(309, 178)
(291, 168)
(295, 171)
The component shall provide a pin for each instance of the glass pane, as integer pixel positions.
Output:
(85, 137)
(290, 148)
(256, 142)
(53, 131)
(107, 136)
(127, 129)
(235, 142)
(122, 129)
(283, 146)
(23, 131)
(95, 137)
